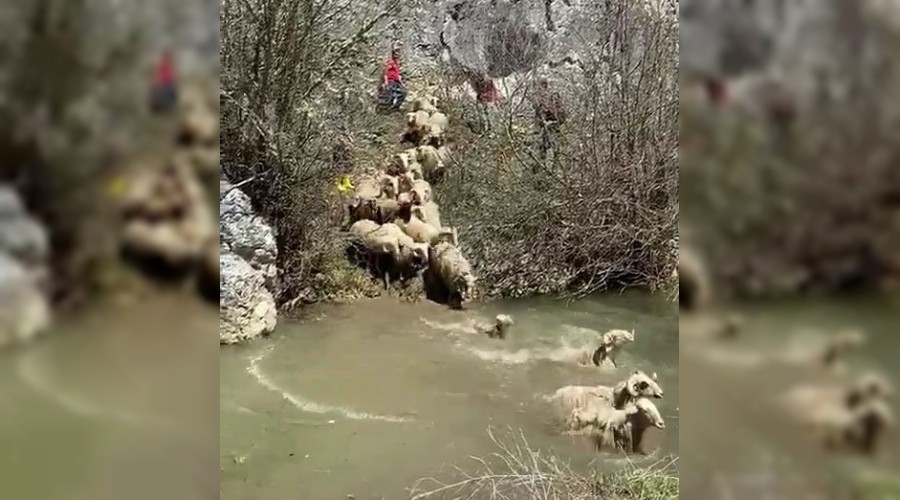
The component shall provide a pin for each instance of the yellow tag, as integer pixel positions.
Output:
(344, 184)
(117, 187)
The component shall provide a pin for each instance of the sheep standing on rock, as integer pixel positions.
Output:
(624, 429)
(451, 274)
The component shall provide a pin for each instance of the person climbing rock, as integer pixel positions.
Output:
(164, 91)
(392, 91)
(549, 115)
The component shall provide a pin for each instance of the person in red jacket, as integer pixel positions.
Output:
(393, 92)
(164, 92)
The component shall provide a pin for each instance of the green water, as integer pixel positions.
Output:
(120, 402)
(736, 442)
(365, 399)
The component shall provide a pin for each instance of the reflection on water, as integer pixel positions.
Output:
(112, 401)
(738, 442)
(366, 399)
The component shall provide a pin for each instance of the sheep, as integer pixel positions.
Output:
(851, 416)
(624, 429)
(449, 271)
(418, 125)
(413, 255)
(380, 210)
(432, 165)
(399, 163)
(498, 329)
(858, 428)
(433, 131)
(422, 232)
(429, 213)
(368, 186)
(388, 240)
(389, 187)
(415, 169)
(421, 192)
(444, 155)
(427, 104)
(570, 398)
(601, 356)
(839, 345)
(406, 183)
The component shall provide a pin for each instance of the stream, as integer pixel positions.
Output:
(363, 400)
(738, 445)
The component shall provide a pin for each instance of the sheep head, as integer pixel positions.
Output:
(647, 410)
(640, 385)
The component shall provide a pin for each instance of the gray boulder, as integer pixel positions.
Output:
(24, 310)
(247, 235)
(246, 308)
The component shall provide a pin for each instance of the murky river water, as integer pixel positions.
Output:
(111, 402)
(365, 399)
(736, 442)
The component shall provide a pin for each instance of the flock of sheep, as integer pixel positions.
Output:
(617, 417)
(395, 224)
(168, 226)
(845, 414)
(396, 230)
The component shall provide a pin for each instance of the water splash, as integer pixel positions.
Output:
(30, 376)
(311, 406)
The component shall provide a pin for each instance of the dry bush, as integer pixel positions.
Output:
(603, 213)
(64, 89)
(291, 73)
(518, 471)
(814, 205)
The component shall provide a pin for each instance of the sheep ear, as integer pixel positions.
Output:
(653, 376)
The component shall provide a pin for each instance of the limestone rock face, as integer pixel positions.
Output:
(247, 235)
(246, 308)
(24, 250)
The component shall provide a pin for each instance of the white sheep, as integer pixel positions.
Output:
(624, 428)
(568, 399)
(498, 329)
(449, 269)
(421, 191)
(422, 232)
(427, 104)
(432, 165)
(428, 212)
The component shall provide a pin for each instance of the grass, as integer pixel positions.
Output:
(518, 471)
